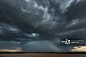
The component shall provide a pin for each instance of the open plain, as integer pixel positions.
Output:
(42, 55)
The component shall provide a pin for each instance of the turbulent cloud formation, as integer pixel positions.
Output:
(41, 46)
(36, 46)
(40, 23)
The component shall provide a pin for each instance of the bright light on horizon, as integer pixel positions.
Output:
(6, 50)
(10, 50)
(81, 49)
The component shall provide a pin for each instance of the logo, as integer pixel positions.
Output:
(66, 42)
(78, 41)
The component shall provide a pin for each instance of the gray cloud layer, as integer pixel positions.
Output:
(34, 21)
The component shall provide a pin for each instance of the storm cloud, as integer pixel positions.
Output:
(40, 23)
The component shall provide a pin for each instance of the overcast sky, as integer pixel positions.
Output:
(38, 25)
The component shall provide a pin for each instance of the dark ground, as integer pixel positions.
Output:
(18, 54)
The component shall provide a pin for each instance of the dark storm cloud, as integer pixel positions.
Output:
(76, 11)
(34, 20)
(9, 44)
(30, 46)
(25, 22)
(35, 46)
(75, 19)
(41, 46)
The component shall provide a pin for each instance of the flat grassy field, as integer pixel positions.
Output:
(42, 55)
